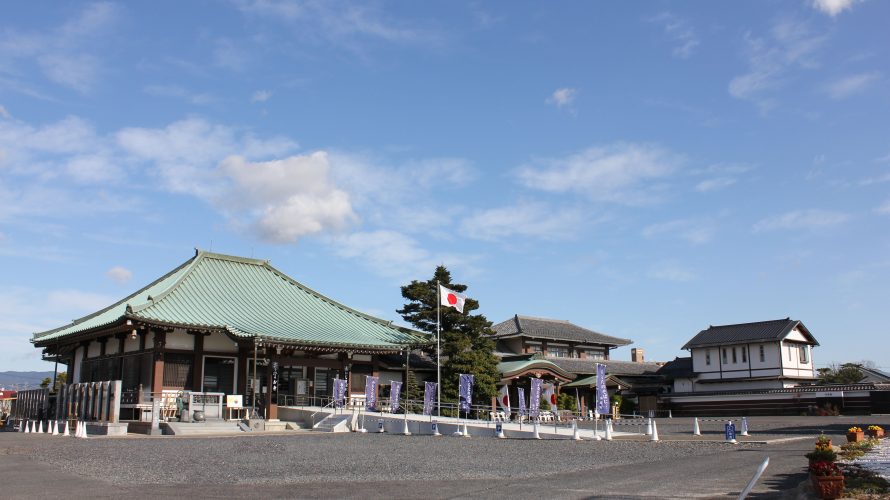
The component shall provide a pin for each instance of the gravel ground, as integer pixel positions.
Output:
(310, 457)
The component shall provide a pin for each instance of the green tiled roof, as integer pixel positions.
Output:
(583, 382)
(248, 298)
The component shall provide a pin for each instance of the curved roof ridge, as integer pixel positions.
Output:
(335, 303)
(126, 300)
(200, 255)
(539, 318)
(753, 322)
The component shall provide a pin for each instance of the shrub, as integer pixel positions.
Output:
(825, 469)
(824, 454)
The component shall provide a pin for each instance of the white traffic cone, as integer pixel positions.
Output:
(649, 427)
(82, 429)
(28, 427)
(466, 432)
(457, 432)
(696, 430)
(499, 430)
(670, 415)
(78, 429)
(744, 427)
(535, 434)
(405, 431)
(575, 435)
(608, 429)
(55, 427)
(65, 432)
(435, 426)
(40, 427)
(654, 436)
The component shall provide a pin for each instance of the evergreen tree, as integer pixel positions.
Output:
(467, 346)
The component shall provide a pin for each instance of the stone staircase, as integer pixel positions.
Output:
(209, 428)
(335, 423)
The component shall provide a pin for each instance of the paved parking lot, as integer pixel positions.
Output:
(390, 466)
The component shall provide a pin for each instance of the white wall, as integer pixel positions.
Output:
(111, 345)
(94, 349)
(220, 342)
(178, 339)
(131, 344)
(78, 364)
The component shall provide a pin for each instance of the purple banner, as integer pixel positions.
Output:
(534, 402)
(339, 392)
(523, 410)
(429, 397)
(466, 392)
(395, 391)
(602, 396)
(371, 392)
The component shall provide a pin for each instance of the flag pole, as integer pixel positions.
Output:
(438, 352)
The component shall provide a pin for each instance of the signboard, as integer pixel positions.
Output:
(729, 430)
(498, 428)
(301, 387)
(234, 401)
(274, 377)
(830, 394)
(435, 426)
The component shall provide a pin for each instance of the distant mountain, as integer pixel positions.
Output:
(18, 381)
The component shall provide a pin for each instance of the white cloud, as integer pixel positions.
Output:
(617, 173)
(288, 198)
(714, 184)
(563, 97)
(185, 153)
(532, 220)
(833, 7)
(680, 32)
(876, 180)
(349, 26)
(671, 271)
(393, 254)
(61, 54)
(261, 96)
(4, 113)
(119, 275)
(790, 44)
(850, 85)
(883, 209)
(178, 92)
(230, 55)
(810, 219)
(883, 159)
(695, 231)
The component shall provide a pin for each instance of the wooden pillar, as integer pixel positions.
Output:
(198, 362)
(241, 376)
(271, 406)
(157, 381)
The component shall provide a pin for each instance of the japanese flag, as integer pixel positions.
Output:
(550, 396)
(504, 398)
(451, 298)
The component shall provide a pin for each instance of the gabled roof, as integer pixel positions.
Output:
(761, 331)
(246, 298)
(552, 329)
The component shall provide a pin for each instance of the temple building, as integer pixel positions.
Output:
(231, 325)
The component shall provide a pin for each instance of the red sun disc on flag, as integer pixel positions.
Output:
(452, 299)
(553, 399)
(504, 400)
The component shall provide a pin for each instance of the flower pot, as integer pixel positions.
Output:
(875, 434)
(854, 437)
(828, 486)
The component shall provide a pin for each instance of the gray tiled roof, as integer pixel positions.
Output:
(678, 368)
(747, 332)
(553, 329)
(588, 366)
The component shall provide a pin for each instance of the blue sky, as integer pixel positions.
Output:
(644, 169)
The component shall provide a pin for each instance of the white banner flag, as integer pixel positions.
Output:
(504, 399)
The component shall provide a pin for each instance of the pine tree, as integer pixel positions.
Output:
(466, 341)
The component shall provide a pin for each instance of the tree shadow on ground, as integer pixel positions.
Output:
(783, 486)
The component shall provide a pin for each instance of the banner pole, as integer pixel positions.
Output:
(438, 350)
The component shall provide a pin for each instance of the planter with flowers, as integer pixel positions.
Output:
(827, 479)
(855, 434)
(875, 431)
(822, 453)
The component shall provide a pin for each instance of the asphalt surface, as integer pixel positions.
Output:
(315, 465)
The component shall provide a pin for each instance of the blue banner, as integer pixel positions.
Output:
(602, 396)
(534, 401)
(394, 392)
(523, 410)
(466, 392)
(339, 392)
(371, 392)
(429, 397)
